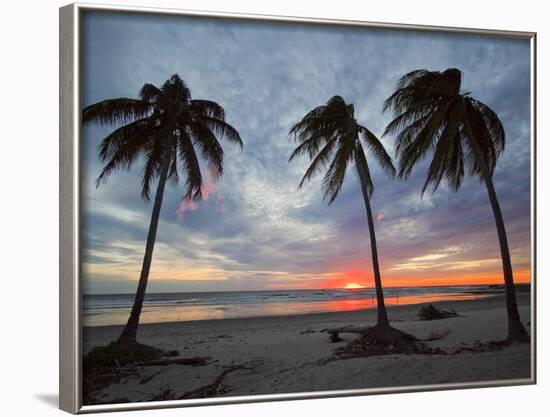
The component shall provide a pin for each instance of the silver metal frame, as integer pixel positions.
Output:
(70, 398)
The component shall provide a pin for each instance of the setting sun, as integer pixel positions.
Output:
(353, 286)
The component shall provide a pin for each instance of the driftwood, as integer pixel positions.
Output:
(210, 390)
(215, 388)
(195, 361)
(222, 336)
(432, 313)
(437, 335)
(145, 379)
(164, 395)
(334, 332)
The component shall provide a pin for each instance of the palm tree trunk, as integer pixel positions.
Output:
(381, 306)
(516, 330)
(130, 331)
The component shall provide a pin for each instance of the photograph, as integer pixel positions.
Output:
(275, 207)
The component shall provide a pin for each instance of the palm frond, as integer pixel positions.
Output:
(319, 162)
(160, 144)
(447, 159)
(408, 133)
(173, 169)
(176, 89)
(334, 177)
(221, 128)
(207, 108)
(150, 93)
(493, 124)
(136, 131)
(363, 170)
(118, 110)
(191, 167)
(378, 151)
(484, 145)
(154, 157)
(417, 149)
(422, 85)
(410, 115)
(123, 147)
(205, 140)
(320, 118)
(313, 142)
(123, 158)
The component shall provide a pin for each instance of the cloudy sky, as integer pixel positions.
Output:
(255, 229)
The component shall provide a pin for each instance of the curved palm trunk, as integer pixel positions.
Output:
(381, 306)
(516, 330)
(130, 331)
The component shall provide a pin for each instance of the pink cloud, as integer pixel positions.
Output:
(186, 205)
(208, 187)
(219, 204)
(379, 217)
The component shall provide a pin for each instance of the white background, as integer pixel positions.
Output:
(29, 206)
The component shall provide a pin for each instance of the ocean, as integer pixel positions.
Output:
(113, 309)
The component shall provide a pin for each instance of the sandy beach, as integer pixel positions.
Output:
(286, 354)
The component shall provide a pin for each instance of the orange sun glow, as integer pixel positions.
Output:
(353, 286)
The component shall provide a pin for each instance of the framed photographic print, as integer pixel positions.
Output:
(260, 208)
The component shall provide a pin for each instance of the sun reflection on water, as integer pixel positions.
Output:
(118, 316)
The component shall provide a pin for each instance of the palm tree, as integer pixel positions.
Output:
(432, 113)
(332, 138)
(164, 129)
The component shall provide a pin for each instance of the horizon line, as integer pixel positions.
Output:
(314, 289)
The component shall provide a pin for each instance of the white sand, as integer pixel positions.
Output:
(289, 357)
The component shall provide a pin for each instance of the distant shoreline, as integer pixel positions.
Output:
(518, 286)
(108, 310)
(493, 299)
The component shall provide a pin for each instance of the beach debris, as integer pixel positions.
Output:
(222, 336)
(383, 339)
(94, 382)
(334, 333)
(172, 353)
(432, 313)
(386, 340)
(119, 354)
(163, 395)
(194, 361)
(147, 378)
(116, 400)
(307, 331)
(106, 365)
(478, 346)
(437, 335)
(216, 387)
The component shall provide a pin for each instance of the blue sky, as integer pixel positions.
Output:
(256, 230)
